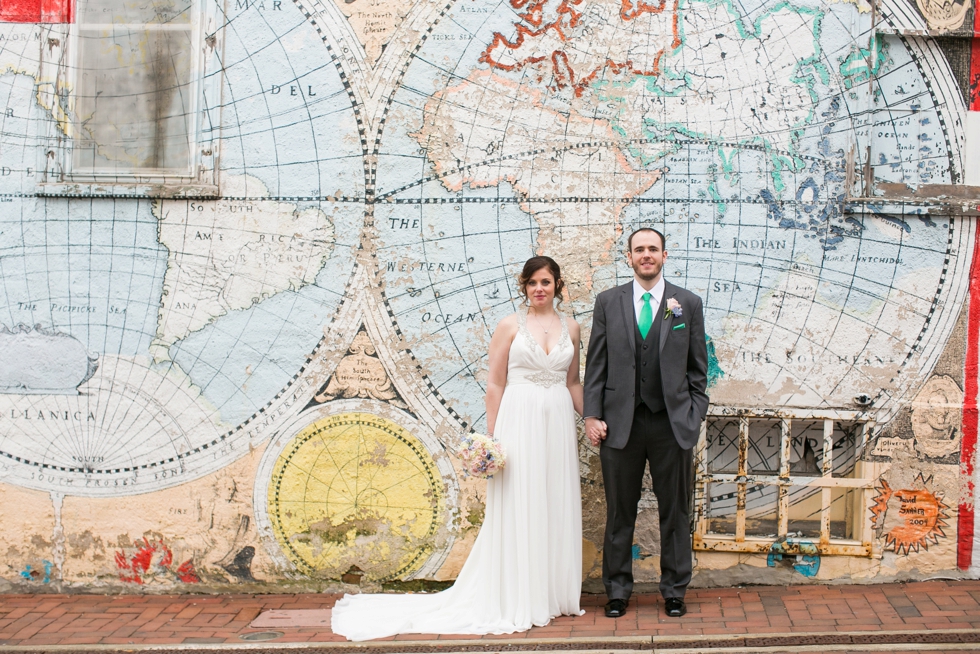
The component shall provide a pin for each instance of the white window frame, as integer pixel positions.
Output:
(862, 480)
(57, 79)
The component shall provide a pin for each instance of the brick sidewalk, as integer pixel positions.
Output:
(765, 616)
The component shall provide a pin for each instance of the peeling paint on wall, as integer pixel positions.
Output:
(145, 562)
(807, 562)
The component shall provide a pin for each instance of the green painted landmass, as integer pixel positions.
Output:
(864, 63)
(714, 369)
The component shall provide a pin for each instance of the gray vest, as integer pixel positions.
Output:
(649, 385)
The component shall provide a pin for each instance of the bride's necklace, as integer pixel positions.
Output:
(551, 323)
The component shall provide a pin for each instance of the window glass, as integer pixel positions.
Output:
(134, 95)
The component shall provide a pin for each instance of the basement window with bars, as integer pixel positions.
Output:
(136, 92)
(795, 478)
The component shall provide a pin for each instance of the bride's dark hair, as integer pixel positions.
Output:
(533, 265)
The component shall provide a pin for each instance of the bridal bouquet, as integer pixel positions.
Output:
(481, 456)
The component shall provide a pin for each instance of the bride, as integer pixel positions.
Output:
(525, 567)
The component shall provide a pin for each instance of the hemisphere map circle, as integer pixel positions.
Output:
(160, 330)
(356, 490)
(561, 129)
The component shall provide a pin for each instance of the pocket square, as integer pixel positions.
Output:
(680, 326)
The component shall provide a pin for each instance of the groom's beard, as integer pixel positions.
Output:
(647, 277)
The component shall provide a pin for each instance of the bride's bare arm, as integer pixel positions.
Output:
(574, 383)
(500, 342)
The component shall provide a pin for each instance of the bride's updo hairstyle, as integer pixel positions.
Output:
(533, 265)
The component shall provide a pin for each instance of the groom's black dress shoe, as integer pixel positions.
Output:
(616, 608)
(674, 607)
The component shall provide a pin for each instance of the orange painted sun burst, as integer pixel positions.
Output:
(909, 518)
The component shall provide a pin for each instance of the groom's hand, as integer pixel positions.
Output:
(595, 429)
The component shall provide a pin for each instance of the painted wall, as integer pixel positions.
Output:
(262, 391)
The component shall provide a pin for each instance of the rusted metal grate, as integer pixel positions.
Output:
(790, 477)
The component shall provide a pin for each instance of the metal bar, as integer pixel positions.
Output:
(801, 482)
(864, 528)
(743, 455)
(763, 546)
(858, 519)
(867, 529)
(701, 487)
(866, 428)
(828, 473)
(717, 411)
(743, 446)
(828, 448)
(785, 448)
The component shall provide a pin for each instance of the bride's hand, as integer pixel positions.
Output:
(595, 430)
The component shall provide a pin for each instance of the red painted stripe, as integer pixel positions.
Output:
(968, 449)
(20, 11)
(973, 103)
(57, 11)
(36, 11)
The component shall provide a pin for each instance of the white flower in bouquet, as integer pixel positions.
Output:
(481, 456)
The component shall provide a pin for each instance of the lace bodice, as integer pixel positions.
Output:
(529, 364)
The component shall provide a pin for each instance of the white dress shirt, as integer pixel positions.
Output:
(656, 297)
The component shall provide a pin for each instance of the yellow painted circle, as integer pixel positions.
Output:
(356, 490)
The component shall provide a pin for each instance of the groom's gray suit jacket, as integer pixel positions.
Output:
(610, 369)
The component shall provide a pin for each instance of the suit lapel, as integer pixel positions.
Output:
(669, 292)
(629, 315)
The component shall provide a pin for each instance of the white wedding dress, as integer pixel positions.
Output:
(525, 567)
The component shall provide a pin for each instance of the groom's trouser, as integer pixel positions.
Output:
(651, 440)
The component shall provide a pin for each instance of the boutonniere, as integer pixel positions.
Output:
(673, 307)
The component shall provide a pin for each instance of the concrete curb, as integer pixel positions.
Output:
(956, 639)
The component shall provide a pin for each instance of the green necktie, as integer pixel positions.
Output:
(646, 316)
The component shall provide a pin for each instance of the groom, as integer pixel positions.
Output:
(645, 382)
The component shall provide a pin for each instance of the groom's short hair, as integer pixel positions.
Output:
(663, 240)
